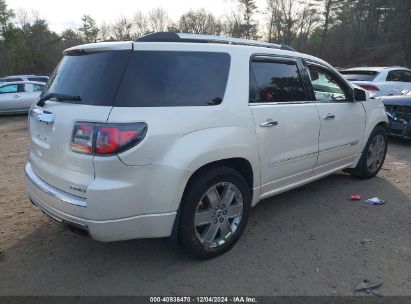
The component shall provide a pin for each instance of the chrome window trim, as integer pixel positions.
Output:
(288, 160)
(340, 146)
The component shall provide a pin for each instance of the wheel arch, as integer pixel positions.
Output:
(383, 124)
(240, 164)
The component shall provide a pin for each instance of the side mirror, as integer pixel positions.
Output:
(360, 95)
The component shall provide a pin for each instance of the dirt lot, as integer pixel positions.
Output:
(311, 241)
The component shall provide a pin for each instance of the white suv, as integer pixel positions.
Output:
(384, 81)
(180, 135)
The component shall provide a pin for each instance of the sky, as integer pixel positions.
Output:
(67, 14)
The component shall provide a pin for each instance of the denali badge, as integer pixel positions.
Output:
(76, 188)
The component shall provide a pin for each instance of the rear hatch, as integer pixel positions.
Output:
(359, 75)
(92, 73)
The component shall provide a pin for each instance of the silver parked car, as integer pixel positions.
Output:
(14, 78)
(17, 97)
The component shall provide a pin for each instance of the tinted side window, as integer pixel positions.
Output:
(37, 87)
(326, 86)
(11, 88)
(166, 78)
(394, 76)
(275, 82)
(406, 76)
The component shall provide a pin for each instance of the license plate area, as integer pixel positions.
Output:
(41, 124)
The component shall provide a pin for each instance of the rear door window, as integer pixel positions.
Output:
(171, 78)
(406, 76)
(394, 75)
(276, 82)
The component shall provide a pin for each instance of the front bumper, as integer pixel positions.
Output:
(399, 129)
(53, 201)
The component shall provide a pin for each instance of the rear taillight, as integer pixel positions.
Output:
(82, 139)
(106, 139)
(369, 87)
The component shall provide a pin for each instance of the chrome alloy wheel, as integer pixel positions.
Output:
(218, 214)
(375, 153)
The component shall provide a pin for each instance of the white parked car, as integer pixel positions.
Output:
(17, 97)
(179, 135)
(15, 78)
(383, 81)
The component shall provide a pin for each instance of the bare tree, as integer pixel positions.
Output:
(199, 22)
(232, 25)
(22, 17)
(249, 9)
(122, 29)
(105, 32)
(158, 20)
(140, 24)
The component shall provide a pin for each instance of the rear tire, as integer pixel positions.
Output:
(214, 212)
(373, 155)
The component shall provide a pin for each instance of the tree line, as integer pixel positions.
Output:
(343, 32)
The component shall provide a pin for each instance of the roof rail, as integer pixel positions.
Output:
(195, 38)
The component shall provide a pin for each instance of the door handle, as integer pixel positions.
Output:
(269, 123)
(329, 116)
(16, 96)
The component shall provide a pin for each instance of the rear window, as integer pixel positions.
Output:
(143, 78)
(39, 79)
(359, 75)
(94, 77)
(163, 78)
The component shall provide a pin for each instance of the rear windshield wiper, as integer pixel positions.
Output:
(57, 96)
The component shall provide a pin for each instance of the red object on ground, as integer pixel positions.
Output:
(355, 197)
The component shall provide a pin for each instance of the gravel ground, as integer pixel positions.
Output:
(310, 241)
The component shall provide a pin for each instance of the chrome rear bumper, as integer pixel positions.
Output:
(51, 191)
(69, 209)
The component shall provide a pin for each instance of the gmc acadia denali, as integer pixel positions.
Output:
(180, 135)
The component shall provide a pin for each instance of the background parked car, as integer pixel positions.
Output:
(15, 78)
(17, 97)
(398, 110)
(380, 81)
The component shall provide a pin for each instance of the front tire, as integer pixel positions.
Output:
(373, 155)
(214, 212)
